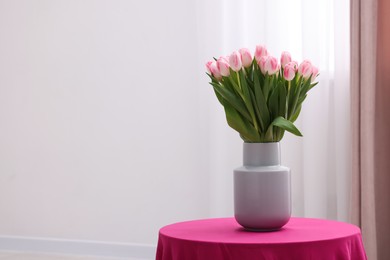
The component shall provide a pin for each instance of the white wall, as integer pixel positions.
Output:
(99, 122)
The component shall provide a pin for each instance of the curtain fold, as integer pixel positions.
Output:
(382, 132)
(370, 55)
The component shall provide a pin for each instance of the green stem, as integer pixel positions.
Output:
(287, 98)
(246, 102)
(239, 81)
(296, 97)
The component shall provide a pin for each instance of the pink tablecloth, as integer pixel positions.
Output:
(301, 238)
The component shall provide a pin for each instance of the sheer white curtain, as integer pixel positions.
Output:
(320, 161)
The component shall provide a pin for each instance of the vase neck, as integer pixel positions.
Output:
(261, 154)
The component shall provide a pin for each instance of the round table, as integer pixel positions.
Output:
(224, 238)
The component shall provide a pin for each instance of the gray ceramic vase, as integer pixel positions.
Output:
(262, 188)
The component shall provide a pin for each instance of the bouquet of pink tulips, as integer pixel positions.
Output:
(262, 97)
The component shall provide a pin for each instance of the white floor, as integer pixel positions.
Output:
(9, 255)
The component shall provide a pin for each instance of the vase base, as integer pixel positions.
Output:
(262, 229)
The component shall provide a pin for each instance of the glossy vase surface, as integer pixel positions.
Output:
(262, 188)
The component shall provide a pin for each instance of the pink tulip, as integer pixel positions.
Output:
(223, 66)
(226, 58)
(235, 61)
(246, 57)
(285, 58)
(260, 51)
(294, 64)
(314, 73)
(208, 64)
(305, 69)
(271, 65)
(215, 71)
(261, 63)
(289, 72)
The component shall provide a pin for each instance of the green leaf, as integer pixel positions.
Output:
(233, 100)
(234, 81)
(256, 110)
(291, 93)
(296, 114)
(228, 84)
(282, 99)
(295, 97)
(220, 98)
(273, 103)
(241, 125)
(285, 125)
(249, 75)
(266, 87)
(247, 98)
(269, 135)
(213, 79)
(261, 103)
(280, 135)
(300, 101)
(305, 86)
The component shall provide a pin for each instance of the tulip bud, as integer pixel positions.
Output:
(294, 64)
(235, 61)
(208, 64)
(260, 51)
(285, 58)
(225, 58)
(289, 72)
(261, 63)
(223, 66)
(271, 65)
(305, 69)
(314, 73)
(215, 71)
(246, 57)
